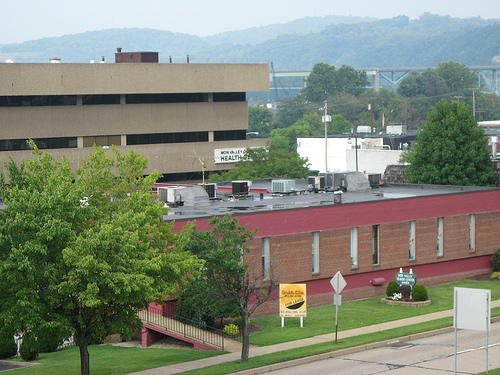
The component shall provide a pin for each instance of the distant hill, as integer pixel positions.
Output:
(359, 42)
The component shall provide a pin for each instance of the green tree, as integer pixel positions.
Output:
(450, 149)
(324, 81)
(84, 252)
(340, 125)
(260, 120)
(291, 110)
(412, 85)
(226, 285)
(274, 161)
(350, 81)
(320, 83)
(457, 76)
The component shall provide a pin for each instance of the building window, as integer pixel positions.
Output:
(100, 99)
(229, 96)
(265, 258)
(412, 240)
(41, 143)
(37, 100)
(440, 244)
(158, 138)
(354, 247)
(375, 236)
(104, 140)
(472, 232)
(230, 135)
(166, 98)
(315, 252)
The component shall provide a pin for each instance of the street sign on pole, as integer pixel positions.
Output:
(338, 283)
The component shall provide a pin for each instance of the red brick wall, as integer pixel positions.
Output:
(291, 255)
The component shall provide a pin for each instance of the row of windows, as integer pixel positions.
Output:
(58, 100)
(146, 139)
(375, 245)
(37, 100)
(132, 139)
(41, 143)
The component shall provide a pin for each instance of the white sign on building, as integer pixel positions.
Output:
(228, 155)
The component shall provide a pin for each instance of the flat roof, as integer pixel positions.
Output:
(262, 199)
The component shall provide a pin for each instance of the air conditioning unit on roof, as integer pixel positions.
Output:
(283, 186)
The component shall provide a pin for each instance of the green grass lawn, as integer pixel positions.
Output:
(106, 359)
(359, 313)
(110, 360)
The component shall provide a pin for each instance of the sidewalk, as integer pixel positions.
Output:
(235, 347)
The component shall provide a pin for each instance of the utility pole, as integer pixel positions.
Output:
(325, 119)
(474, 102)
(371, 116)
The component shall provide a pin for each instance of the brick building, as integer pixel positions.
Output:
(442, 233)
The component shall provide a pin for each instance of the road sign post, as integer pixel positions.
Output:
(338, 283)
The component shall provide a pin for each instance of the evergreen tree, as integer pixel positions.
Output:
(450, 149)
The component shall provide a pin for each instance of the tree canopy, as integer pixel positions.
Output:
(84, 252)
(226, 286)
(274, 161)
(324, 81)
(450, 149)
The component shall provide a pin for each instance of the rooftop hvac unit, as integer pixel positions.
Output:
(210, 189)
(374, 179)
(283, 186)
(316, 182)
(240, 187)
(170, 194)
(335, 180)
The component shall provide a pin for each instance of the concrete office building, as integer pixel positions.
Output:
(171, 113)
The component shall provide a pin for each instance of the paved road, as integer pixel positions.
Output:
(432, 355)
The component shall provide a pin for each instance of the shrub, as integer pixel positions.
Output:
(8, 347)
(29, 347)
(238, 320)
(231, 329)
(495, 275)
(495, 260)
(48, 340)
(392, 288)
(405, 291)
(419, 293)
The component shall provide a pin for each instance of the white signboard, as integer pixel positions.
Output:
(472, 309)
(228, 155)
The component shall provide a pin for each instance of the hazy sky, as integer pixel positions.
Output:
(23, 20)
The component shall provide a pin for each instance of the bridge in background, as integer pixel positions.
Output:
(288, 83)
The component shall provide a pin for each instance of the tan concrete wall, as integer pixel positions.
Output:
(165, 158)
(92, 120)
(81, 79)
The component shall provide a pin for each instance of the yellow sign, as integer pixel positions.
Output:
(293, 300)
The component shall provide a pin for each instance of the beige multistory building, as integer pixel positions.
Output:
(175, 114)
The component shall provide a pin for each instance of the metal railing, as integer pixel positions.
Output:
(165, 317)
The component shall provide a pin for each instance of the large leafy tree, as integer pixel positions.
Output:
(226, 285)
(260, 120)
(457, 76)
(274, 161)
(84, 252)
(324, 81)
(450, 149)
